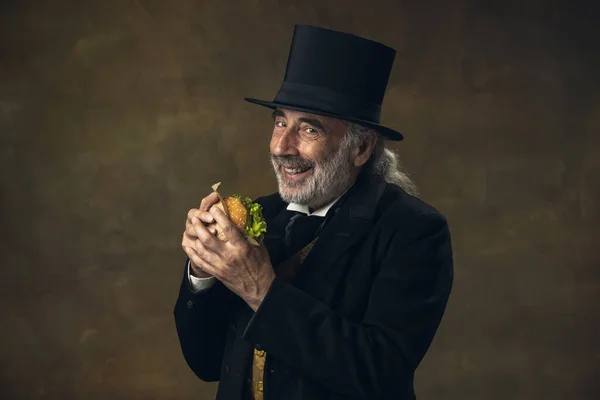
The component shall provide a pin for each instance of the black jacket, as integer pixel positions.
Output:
(353, 324)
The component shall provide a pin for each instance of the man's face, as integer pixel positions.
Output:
(312, 161)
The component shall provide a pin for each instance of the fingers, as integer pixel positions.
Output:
(199, 238)
(231, 231)
(201, 257)
(194, 231)
(208, 239)
(191, 253)
(203, 216)
(191, 231)
(189, 240)
(194, 216)
(197, 261)
(205, 258)
(212, 230)
(209, 201)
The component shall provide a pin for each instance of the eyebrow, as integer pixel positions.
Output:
(311, 121)
(278, 113)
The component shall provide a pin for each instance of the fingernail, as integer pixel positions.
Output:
(209, 217)
(194, 220)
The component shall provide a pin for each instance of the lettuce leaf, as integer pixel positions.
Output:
(255, 224)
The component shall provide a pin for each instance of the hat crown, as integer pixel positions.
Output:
(341, 62)
(338, 75)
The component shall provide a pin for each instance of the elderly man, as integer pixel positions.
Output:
(344, 298)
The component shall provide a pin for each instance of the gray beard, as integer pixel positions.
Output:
(330, 177)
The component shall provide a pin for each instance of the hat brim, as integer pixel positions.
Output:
(388, 133)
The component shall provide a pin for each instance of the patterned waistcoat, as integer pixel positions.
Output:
(286, 270)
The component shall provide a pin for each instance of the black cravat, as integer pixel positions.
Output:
(300, 231)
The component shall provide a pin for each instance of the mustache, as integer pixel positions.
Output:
(288, 161)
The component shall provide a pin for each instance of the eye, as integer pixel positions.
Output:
(279, 124)
(312, 131)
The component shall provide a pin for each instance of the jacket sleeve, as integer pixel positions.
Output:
(201, 320)
(368, 359)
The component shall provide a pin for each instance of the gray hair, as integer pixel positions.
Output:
(383, 161)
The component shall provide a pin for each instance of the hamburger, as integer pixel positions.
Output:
(245, 214)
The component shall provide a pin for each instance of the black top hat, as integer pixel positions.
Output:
(338, 75)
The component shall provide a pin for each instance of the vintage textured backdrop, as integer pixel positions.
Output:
(116, 116)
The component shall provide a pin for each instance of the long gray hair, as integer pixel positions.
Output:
(384, 161)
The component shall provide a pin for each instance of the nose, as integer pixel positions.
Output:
(284, 143)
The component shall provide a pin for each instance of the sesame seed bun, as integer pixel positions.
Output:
(238, 213)
(235, 209)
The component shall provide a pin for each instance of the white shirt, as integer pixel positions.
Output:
(199, 284)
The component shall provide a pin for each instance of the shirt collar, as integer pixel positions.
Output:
(321, 212)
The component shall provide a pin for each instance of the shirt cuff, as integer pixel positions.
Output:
(199, 284)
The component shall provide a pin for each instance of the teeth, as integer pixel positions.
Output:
(293, 171)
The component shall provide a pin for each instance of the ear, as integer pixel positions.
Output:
(364, 151)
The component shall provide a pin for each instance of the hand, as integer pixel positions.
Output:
(245, 269)
(189, 235)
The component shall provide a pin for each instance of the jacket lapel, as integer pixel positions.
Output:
(352, 220)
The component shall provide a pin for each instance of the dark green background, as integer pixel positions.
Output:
(117, 116)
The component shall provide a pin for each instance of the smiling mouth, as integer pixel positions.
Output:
(295, 171)
(294, 174)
